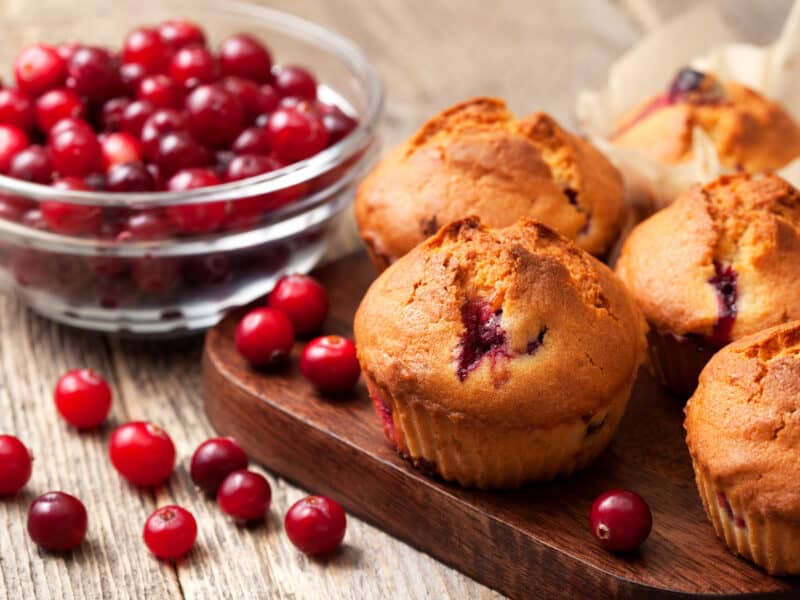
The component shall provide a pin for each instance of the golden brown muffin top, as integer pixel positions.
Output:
(513, 326)
(476, 158)
(750, 132)
(722, 261)
(743, 421)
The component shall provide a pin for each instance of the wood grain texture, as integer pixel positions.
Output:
(430, 54)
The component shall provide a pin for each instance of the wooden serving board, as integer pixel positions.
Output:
(532, 543)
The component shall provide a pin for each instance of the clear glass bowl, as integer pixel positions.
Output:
(183, 284)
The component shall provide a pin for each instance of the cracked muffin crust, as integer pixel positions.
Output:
(751, 133)
(499, 356)
(743, 432)
(721, 262)
(476, 158)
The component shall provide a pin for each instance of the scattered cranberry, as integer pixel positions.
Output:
(244, 56)
(32, 164)
(178, 33)
(55, 105)
(192, 66)
(216, 116)
(170, 532)
(39, 68)
(16, 465)
(93, 74)
(120, 148)
(130, 177)
(75, 152)
(244, 495)
(161, 122)
(253, 140)
(264, 336)
(16, 108)
(160, 91)
(57, 521)
(330, 364)
(130, 75)
(179, 150)
(316, 525)
(296, 82)
(142, 453)
(214, 460)
(620, 520)
(145, 47)
(337, 123)
(111, 113)
(304, 301)
(83, 398)
(71, 123)
(12, 141)
(295, 134)
(195, 218)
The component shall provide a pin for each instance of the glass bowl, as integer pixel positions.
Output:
(182, 284)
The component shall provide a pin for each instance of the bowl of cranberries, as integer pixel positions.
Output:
(155, 178)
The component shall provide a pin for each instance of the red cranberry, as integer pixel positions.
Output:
(83, 398)
(337, 124)
(246, 211)
(72, 219)
(161, 91)
(269, 99)
(330, 364)
(250, 165)
(111, 113)
(244, 495)
(170, 532)
(16, 465)
(295, 135)
(304, 301)
(179, 150)
(12, 141)
(130, 177)
(130, 75)
(93, 74)
(316, 525)
(253, 140)
(214, 460)
(67, 49)
(157, 125)
(75, 152)
(135, 115)
(147, 225)
(244, 56)
(32, 164)
(620, 520)
(178, 33)
(264, 336)
(120, 148)
(71, 123)
(216, 116)
(195, 218)
(10, 211)
(39, 68)
(55, 105)
(34, 220)
(192, 66)
(248, 93)
(16, 108)
(57, 521)
(145, 47)
(295, 81)
(142, 453)
(484, 336)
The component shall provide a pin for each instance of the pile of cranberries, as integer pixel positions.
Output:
(163, 112)
(298, 305)
(145, 455)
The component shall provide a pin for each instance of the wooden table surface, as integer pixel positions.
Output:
(431, 53)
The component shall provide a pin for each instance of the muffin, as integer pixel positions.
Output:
(743, 432)
(750, 132)
(476, 158)
(721, 262)
(495, 357)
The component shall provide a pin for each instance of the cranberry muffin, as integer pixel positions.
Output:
(721, 262)
(495, 357)
(751, 133)
(476, 158)
(743, 432)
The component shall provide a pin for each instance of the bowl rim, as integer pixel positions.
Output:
(351, 55)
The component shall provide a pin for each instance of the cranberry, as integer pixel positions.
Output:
(160, 91)
(32, 164)
(216, 116)
(83, 398)
(264, 336)
(16, 108)
(295, 135)
(10, 211)
(253, 140)
(39, 68)
(145, 47)
(249, 165)
(71, 219)
(248, 93)
(244, 56)
(179, 150)
(67, 49)
(170, 532)
(130, 75)
(12, 141)
(192, 66)
(57, 521)
(135, 115)
(244, 495)
(725, 282)
(620, 520)
(304, 301)
(16, 465)
(111, 113)
(195, 218)
(295, 81)
(93, 74)
(179, 33)
(337, 123)
(71, 123)
(483, 336)
(214, 460)
(316, 525)
(120, 148)
(330, 364)
(55, 105)
(156, 275)
(130, 177)
(157, 125)
(75, 152)
(142, 453)
(147, 225)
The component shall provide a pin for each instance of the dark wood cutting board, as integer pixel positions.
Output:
(532, 543)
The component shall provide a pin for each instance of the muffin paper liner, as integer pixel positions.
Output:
(701, 39)
(676, 363)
